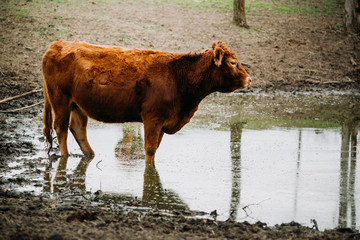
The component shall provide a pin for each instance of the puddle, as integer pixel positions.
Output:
(275, 158)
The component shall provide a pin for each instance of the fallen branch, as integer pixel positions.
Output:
(21, 95)
(97, 165)
(347, 80)
(19, 109)
(254, 204)
(312, 81)
(315, 225)
(337, 82)
(353, 61)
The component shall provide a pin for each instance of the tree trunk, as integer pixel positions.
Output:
(239, 13)
(352, 16)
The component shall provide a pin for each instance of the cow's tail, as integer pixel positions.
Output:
(48, 120)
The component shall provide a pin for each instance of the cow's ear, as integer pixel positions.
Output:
(218, 55)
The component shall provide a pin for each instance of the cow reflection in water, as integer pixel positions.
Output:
(62, 181)
(129, 151)
(155, 196)
(130, 147)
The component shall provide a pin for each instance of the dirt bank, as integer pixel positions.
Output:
(28, 217)
(283, 52)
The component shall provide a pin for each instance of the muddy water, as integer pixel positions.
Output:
(270, 158)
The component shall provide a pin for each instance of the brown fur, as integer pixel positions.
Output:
(113, 84)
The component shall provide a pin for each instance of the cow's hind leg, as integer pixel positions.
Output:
(78, 123)
(61, 125)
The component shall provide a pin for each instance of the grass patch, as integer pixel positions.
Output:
(322, 7)
(123, 39)
(51, 1)
(268, 124)
(24, 15)
(292, 7)
(216, 5)
(59, 1)
(14, 8)
(45, 29)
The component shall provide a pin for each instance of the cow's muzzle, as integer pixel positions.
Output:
(247, 81)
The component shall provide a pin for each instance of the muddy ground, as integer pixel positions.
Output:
(283, 52)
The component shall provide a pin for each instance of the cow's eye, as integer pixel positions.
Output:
(233, 63)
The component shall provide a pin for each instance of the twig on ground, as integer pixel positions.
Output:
(337, 82)
(346, 80)
(22, 108)
(20, 95)
(315, 225)
(84, 197)
(97, 165)
(353, 61)
(312, 81)
(247, 206)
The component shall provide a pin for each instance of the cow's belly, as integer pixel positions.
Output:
(173, 128)
(113, 115)
(175, 124)
(109, 109)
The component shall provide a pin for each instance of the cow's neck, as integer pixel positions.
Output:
(194, 80)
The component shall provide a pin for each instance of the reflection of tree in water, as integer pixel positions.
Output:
(130, 147)
(348, 172)
(155, 196)
(235, 147)
(62, 182)
(298, 164)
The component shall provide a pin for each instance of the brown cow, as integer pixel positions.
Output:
(116, 85)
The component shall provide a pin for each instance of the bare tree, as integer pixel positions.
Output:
(239, 13)
(352, 15)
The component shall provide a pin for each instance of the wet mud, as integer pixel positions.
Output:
(41, 199)
(25, 216)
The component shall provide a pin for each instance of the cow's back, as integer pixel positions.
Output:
(108, 83)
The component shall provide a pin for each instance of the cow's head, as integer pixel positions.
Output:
(229, 73)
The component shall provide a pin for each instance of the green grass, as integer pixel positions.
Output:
(292, 7)
(12, 8)
(266, 124)
(217, 5)
(322, 7)
(21, 15)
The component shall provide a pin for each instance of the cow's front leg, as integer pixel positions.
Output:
(153, 136)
